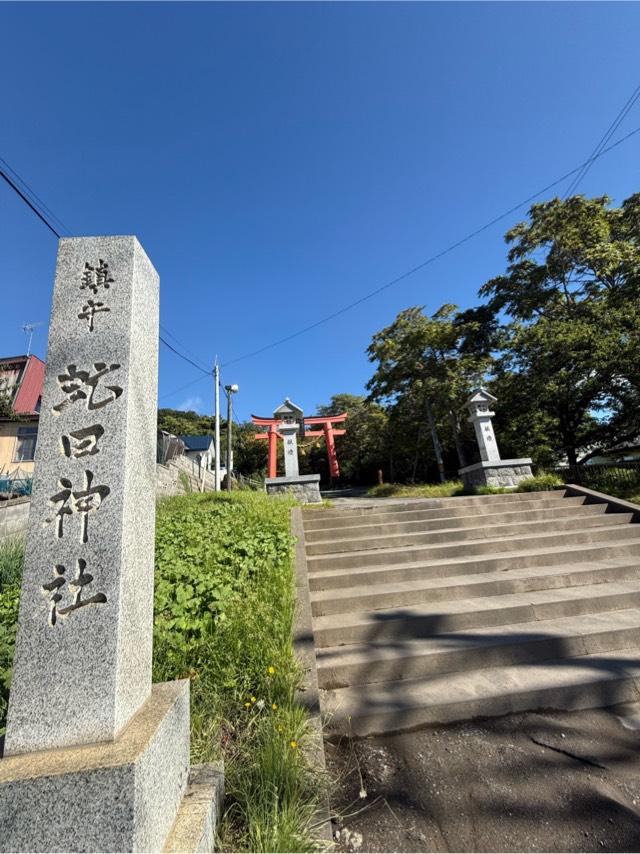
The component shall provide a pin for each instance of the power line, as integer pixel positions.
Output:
(26, 200)
(430, 260)
(182, 356)
(180, 344)
(182, 388)
(615, 124)
(42, 217)
(34, 195)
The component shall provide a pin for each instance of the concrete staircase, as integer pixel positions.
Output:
(439, 610)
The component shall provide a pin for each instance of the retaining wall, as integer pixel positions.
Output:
(172, 478)
(14, 515)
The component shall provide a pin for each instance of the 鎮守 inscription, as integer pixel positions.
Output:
(94, 278)
(83, 385)
(77, 585)
(72, 501)
(89, 311)
(82, 443)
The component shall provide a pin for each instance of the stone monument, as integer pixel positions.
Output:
(96, 758)
(305, 487)
(491, 470)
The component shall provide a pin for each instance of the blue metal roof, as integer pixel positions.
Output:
(197, 443)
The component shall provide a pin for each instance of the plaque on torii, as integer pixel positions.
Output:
(289, 413)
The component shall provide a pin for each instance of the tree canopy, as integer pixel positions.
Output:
(555, 338)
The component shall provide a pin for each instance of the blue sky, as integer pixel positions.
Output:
(278, 161)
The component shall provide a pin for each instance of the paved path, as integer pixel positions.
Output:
(565, 781)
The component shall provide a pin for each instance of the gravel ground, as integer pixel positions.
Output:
(526, 782)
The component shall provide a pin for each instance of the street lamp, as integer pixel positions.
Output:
(230, 391)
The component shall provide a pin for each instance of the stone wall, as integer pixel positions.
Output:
(507, 473)
(171, 478)
(14, 515)
(304, 487)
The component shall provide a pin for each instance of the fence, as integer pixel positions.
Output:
(168, 448)
(15, 486)
(616, 478)
(243, 482)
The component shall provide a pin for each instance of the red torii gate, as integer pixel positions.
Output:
(328, 431)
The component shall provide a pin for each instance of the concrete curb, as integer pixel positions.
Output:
(617, 505)
(308, 695)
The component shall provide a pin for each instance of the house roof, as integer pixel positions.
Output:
(197, 443)
(29, 380)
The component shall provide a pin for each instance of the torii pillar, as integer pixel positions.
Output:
(288, 419)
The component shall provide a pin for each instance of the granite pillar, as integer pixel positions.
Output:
(491, 470)
(94, 758)
(82, 663)
(289, 433)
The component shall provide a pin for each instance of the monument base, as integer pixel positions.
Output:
(496, 473)
(131, 794)
(305, 487)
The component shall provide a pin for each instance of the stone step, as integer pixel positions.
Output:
(520, 643)
(481, 502)
(613, 531)
(588, 681)
(424, 522)
(521, 580)
(525, 527)
(552, 555)
(403, 624)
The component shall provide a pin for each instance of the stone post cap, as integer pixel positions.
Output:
(288, 411)
(479, 404)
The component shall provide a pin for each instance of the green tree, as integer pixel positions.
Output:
(570, 337)
(362, 450)
(424, 365)
(249, 453)
(185, 423)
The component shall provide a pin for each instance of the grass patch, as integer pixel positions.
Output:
(451, 488)
(417, 490)
(11, 557)
(225, 600)
(224, 610)
(544, 482)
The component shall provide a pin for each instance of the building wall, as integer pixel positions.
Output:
(8, 435)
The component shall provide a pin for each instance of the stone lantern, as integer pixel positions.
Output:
(289, 420)
(491, 470)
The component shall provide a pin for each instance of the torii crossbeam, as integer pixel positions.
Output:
(328, 431)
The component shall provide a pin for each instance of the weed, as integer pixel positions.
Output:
(224, 607)
(11, 557)
(225, 599)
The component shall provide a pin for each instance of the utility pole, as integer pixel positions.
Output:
(230, 390)
(216, 397)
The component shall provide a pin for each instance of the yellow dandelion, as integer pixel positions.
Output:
(271, 670)
(253, 699)
(274, 706)
(247, 705)
(293, 744)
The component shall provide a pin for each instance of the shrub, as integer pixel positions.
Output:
(420, 490)
(225, 600)
(544, 482)
(11, 557)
